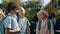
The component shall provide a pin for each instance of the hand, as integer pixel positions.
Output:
(18, 31)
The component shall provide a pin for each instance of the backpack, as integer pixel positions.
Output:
(49, 25)
(2, 28)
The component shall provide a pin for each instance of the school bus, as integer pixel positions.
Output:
(54, 6)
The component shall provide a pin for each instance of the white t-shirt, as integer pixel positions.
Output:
(23, 23)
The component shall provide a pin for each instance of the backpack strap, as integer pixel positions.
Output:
(18, 19)
(39, 25)
(49, 25)
(2, 19)
(27, 24)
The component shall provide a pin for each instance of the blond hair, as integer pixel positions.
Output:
(23, 10)
(42, 11)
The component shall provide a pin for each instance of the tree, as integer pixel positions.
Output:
(5, 2)
(32, 7)
(18, 1)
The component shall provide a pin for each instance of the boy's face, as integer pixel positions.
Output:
(15, 11)
(42, 16)
(21, 14)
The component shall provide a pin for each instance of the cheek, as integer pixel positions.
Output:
(21, 13)
(42, 16)
(18, 13)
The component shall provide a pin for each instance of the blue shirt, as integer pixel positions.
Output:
(23, 23)
(11, 22)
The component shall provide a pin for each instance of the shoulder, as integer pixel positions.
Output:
(48, 19)
(26, 18)
(8, 18)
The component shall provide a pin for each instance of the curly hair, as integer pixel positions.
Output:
(11, 6)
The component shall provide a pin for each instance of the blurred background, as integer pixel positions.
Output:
(33, 6)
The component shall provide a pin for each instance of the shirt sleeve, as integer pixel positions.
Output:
(28, 22)
(8, 22)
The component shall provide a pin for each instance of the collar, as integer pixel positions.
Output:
(12, 15)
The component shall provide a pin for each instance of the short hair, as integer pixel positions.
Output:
(42, 11)
(23, 10)
(11, 6)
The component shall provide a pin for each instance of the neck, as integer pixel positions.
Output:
(22, 16)
(12, 12)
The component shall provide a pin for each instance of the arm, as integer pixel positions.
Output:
(17, 31)
(28, 30)
(28, 27)
(8, 28)
(37, 30)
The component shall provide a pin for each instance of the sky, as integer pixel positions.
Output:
(24, 0)
(0, 1)
(45, 2)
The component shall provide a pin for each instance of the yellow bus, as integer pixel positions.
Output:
(54, 6)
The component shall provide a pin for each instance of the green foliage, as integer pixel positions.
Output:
(33, 5)
(29, 14)
(34, 8)
(18, 1)
(5, 2)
